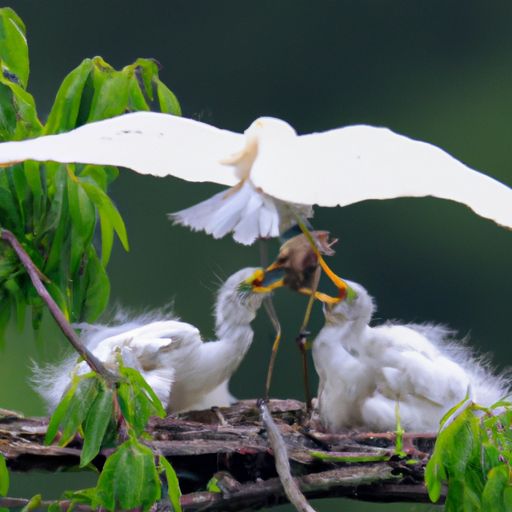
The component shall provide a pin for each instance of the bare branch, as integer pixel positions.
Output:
(276, 442)
(36, 277)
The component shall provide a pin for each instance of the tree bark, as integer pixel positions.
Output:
(230, 445)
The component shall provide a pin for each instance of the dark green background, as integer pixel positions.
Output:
(438, 71)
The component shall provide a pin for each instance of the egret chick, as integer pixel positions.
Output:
(185, 372)
(365, 370)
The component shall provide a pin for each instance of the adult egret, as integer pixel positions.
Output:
(185, 372)
(275, 175)
(365, 370)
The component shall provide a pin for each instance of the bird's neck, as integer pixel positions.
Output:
(350, 333)
(233, 317)
(233, 326)
(232, 313)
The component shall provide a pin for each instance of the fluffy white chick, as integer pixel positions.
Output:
(364, 371)
(185, 372)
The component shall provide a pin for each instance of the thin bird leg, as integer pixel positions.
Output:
(302, 338)
(268, 304)
(271, 312)
(340, 284)
(322, 297)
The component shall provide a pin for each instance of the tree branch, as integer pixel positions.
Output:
(236, 452)
(280, 453)
(36, 277)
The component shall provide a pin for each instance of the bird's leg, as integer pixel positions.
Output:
(343, 288)
(302, 338)
(271, 312)
(322, 297)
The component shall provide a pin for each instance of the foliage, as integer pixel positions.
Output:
(4, 479)
(53, 209)
(104, 414)
(473, 456)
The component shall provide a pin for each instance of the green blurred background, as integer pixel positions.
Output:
(437, 71)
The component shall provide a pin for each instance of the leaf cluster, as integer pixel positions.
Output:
(473, 457)
(104, 415)
(54, 209)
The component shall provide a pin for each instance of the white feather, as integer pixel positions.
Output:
(337, 167)
(185, 372)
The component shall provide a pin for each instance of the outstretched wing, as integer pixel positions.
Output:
(147, 142)
(352, 164)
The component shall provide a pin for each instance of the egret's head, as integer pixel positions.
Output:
(359, 307)
(236, 291)
(270, 127)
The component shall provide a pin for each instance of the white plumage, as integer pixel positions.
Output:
(272, 169)
(364, 371)
(185, 372)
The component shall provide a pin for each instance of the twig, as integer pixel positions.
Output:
(35, 276)
(18, 503)
(278, 446)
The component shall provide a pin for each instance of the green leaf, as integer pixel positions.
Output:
(57, 178)
(33, 504)
(83, 496)
(59, 297)
(13, 47)
(129, 478)
(96, 423)
(173, 484)
(145, 70)
(134, 405)
(8, 117)
(102, 176)
(493, 494)
(60, 411)
(21, 191)
(78, 408)
(64, 113)
(507, 497)
(212, 485)
(33, 175)
(137, 400)
(8, 209)
(455, 497)
(435, 475)
(98, 287)
(168, 101)
(73, 408)
(83, 218)
(4, 476)
(110, 219)
(329, 457)
(138, 380)
(18, 115)
(111, 89)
